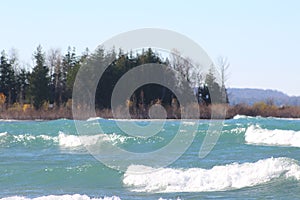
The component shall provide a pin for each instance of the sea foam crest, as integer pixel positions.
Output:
(63, 140)
(219, 178)
(241, 117)
(3, 134)
(62, 197)
(258, 135)
(25, 139)
(76, 141)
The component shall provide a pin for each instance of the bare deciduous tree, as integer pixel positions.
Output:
(186, 68)
(223, 66)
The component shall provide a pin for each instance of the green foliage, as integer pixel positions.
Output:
(39, 80)
(120, 65)
(52, 79)
(216, 93)
(22, 85)
(7, 78)
(71, 65)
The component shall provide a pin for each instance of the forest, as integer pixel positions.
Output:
(48, 84)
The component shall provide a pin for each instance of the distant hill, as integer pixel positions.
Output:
(251, 96)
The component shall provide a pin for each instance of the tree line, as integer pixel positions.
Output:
(51, 78)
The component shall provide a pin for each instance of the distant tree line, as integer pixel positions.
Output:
(50, 80)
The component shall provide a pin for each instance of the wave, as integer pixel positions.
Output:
(63, 140)
(236, 117)
(7, 140)
(258, 135)
(77, 141)
(260, 117)
(235, 130)
(9, 120)
(218, 178)
(94, 119)
(61, 197)
(242, 117)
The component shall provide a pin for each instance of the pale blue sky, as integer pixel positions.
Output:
(261, 39)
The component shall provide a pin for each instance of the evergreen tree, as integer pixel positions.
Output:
(39, 80)
(70, 67)
(215, 91)
(7, 78)
(22, 85)
(55, 65)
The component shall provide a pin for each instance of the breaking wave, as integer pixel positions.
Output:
(62, 139)
(219, 178)
(258, 135)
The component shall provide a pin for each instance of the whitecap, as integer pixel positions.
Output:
(89, 140)
(240, 117)
(141, 178)
(3, 134)
(258, 135)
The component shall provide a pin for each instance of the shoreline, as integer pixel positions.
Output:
(259, 109)
(237, 117)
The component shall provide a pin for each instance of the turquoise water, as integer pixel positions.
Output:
(254, 158)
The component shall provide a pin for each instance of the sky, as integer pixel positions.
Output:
(260, 39)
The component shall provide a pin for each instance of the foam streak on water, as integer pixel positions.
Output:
(61, 197)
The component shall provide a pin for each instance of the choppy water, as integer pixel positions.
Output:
(254, 158)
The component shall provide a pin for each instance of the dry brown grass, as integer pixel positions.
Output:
(264, 110)
(205, 112)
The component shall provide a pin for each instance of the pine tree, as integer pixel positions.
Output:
(39, 80)
(22, 85)
(70, 66)
(7, 78)
(55, 66)
(215, 92)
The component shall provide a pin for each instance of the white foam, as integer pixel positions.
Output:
(280, 118)
(93, 119)
(68, 197)
(9, 120)
(238, 130)
(257, 135)
(219, 178)
(188, 123)
(27, 137)
(115, 138)
(61, 197)
(3, 134)
(77, 141)
(21, 138)
(47, 137)
(260, 117)
(240, 117)
(143, 120)
(68, 141)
